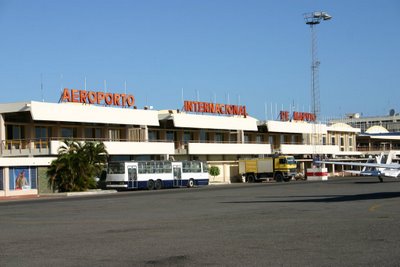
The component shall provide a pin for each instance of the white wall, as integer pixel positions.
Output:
(77, 112)
(228, 149)
(295, 127)
(308, 149)
(214, 122)
(129, 148)
(25, 161)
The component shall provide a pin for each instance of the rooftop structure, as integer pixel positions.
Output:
(391, 122)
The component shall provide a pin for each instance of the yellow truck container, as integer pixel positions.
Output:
(280, 168)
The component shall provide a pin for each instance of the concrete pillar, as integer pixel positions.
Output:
(145, 132)
(227, 175)
(2, 134)
(2, 128)
(6, 181)
(240, 136)
(302, 168)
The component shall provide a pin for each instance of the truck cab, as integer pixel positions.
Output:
(285, 168)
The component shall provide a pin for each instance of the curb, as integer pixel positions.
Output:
(86, 193)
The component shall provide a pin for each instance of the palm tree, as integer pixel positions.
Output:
(77, 165)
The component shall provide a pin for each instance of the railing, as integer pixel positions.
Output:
(32, 147)
(42, 146)
(24, 147)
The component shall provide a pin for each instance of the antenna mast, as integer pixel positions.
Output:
(41, 86)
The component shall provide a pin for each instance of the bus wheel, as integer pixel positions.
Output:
(150, 184)
(190, 183)
(158, 184)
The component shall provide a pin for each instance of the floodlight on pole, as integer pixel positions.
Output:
(313, 19)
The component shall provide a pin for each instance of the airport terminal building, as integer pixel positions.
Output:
(378, 133)
(31, 133)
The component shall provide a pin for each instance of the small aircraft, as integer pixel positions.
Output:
(373, 167)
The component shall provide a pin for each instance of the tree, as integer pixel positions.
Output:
(214, 171)
(76, 166)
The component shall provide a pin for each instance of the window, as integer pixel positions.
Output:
(333, 140)
(324, 140)
(167, 167)
(350, 141)
(195, 166)
(170, 136)
(191, 166)
(219, 138)
(159, 167)
(202, 136)
(153, 135)
(150, 168)
(42, 133)
(186, 166)
(291, 160)
(341, 141)
(132, 175)
(68, 132)
(142, 167)
(233, 137)
(187, 136)
(246, 138)
(205, 167)
(271, 140)
(15, 132)
(93, 133)
(114, 134)
(259, 139)
(116, 168)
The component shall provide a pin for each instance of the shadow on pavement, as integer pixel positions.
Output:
(328, 199)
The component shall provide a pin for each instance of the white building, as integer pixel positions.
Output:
(32, 132)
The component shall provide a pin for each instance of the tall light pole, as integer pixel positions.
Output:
(313, 19)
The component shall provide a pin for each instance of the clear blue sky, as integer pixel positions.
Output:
(255, 51)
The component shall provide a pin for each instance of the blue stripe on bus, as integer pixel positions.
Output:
(167, 183)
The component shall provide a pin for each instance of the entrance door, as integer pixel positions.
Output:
(132, 177)
(177, 175)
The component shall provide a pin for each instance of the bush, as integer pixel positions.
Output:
(214, 171)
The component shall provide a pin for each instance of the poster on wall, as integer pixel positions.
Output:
(20, 179)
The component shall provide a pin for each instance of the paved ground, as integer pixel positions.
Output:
(341, 222)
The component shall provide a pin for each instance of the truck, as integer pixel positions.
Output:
(280, 168)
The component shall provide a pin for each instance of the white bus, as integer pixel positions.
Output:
(156, 174)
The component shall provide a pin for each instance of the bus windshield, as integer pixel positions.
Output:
(116, 168)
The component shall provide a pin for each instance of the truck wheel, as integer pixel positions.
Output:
(251, 178)
(279, 177)
(287, 179)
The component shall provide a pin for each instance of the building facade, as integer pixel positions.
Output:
(390, 122)
(32, 132)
